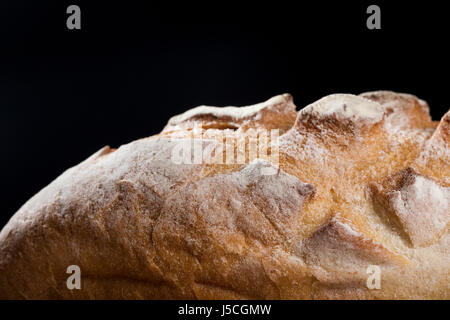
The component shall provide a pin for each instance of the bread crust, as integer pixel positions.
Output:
(358, 181)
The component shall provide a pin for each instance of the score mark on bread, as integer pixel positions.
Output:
(421, 207)
(341, 111)
(275, 113)
(340, 253)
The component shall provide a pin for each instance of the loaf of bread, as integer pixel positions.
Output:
(348, 198)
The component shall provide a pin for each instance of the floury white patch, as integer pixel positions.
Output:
(195, 310)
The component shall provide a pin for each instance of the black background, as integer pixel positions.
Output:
(66, 93)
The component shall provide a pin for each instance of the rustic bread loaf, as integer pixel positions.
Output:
(258, 202)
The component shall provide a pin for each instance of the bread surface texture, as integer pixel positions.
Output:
(257, 202)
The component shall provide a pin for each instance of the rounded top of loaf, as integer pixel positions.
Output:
(254, 202)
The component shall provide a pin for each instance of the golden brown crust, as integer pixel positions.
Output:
(276, 113)
(358, 181)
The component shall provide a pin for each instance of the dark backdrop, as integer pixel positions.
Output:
(65, 94)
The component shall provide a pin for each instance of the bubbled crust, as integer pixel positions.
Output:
(143, 227)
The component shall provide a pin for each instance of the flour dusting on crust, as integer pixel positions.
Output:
(344, 107)
(237, 113)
